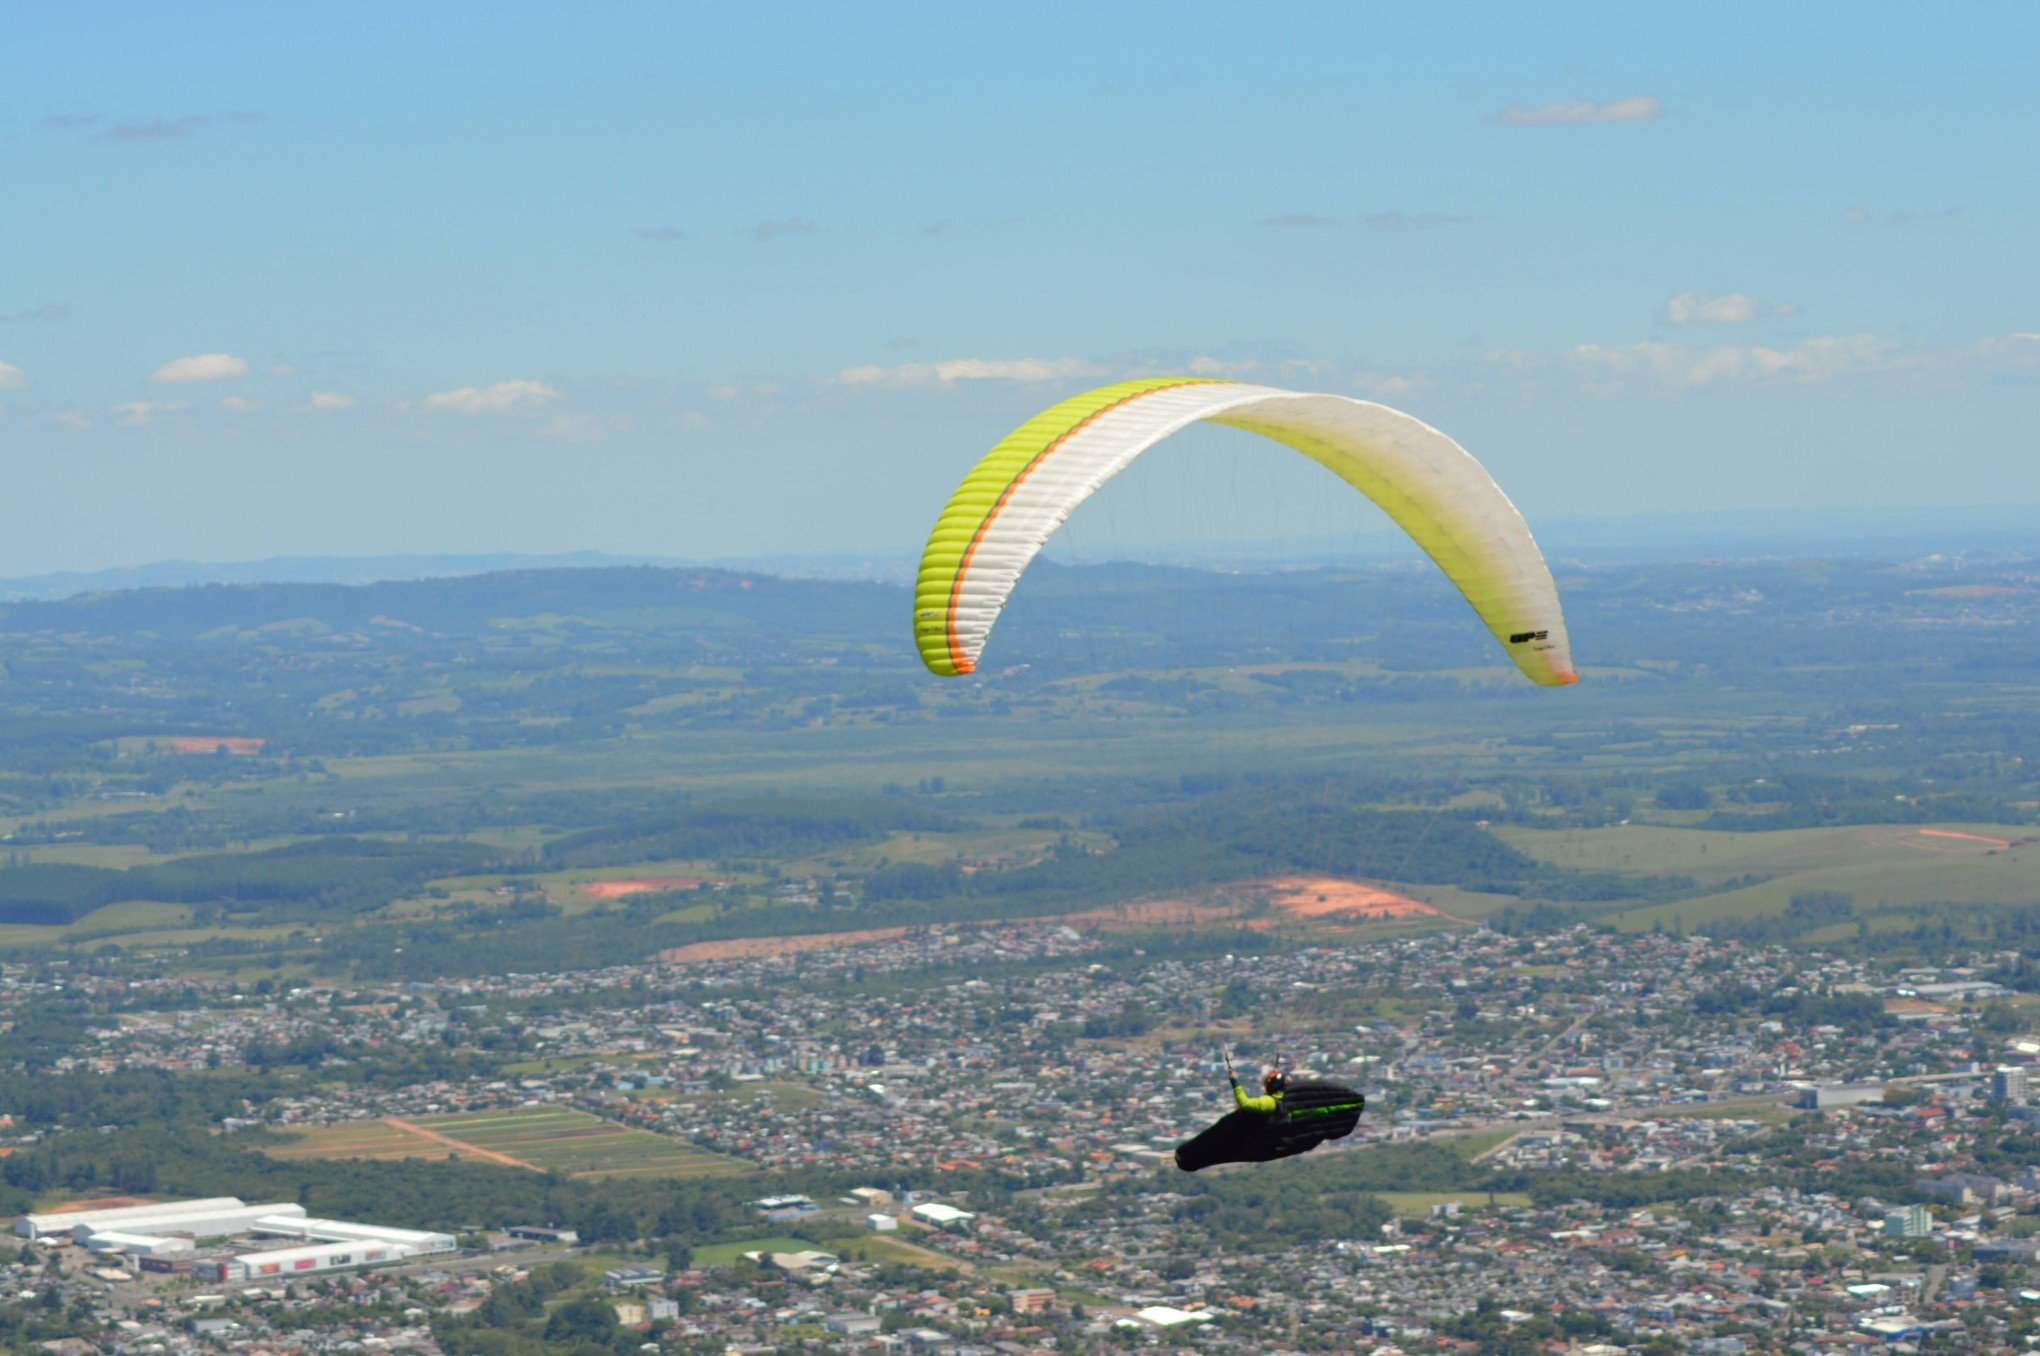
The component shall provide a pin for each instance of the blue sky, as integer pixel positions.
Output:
(755, 279)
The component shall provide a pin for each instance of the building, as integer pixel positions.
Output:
(1965, 1188)
(415, 1242)
(159, 1238)
(936, 1215)
(852, 1324)
(192, 1222)
(139, 1219)
(307, 1259)
(1035, 1301)
(532, 1233)
(1821, 1097)
(882, 1224)
(808, 1259)
(136, 1245)
(632, 1277)
(1909, 1221)
(2009, 1083)
(1167, 1316)
(786, 1207)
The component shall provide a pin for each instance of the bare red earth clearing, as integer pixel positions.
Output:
(1330, 897)
(737, 948)
(1985, 839)
(240, 746)
(644, 885)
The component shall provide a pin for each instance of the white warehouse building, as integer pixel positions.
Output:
(139, 1218)
(137, 1245)
(223, 1222)
(302, 1260)
(302, 1244)
(415, 1242)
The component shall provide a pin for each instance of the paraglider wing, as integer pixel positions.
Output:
(1027, 486)
(1311, 1114)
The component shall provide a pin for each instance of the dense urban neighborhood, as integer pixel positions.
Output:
(1578, 1141)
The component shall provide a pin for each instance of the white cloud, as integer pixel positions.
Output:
(969, 369)
(139, 412)
(1297, 221)
(328, 401)
(505, 397)
(733, 391)
(157, 128)
(1394, 219)
(775, 230)
(282, 370)
(1383, 386)
(51, 311)
(583, 428)
(1900, 216)
(1413, 221)
(239, 405)
(12, 378)
(201, 367)
(1678, 367)
(1573, 112)
(1720, 308)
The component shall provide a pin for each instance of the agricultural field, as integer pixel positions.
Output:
(538, 1139)
(382, 1141)
(1880, 866)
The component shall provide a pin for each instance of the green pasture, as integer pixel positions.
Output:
(729, 1254)
(1882, 866)
(1417, 1204)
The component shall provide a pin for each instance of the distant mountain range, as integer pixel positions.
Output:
(1767, 533)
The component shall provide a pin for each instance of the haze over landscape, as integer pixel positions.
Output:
(488, 866)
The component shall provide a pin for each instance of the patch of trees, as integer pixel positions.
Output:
(129, 1097)
(529, 1318)
(1491, 1333)
(42, 1030)
(1855, 1013)
(297, 882)
(767, 826)
(1805, 801)
(1276, 1206)
(1314, 1197)
(1685, 796)
(1807, 911)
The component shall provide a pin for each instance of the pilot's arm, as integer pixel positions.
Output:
(1265, 1105)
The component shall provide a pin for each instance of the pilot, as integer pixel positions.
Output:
(1273, 1084)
